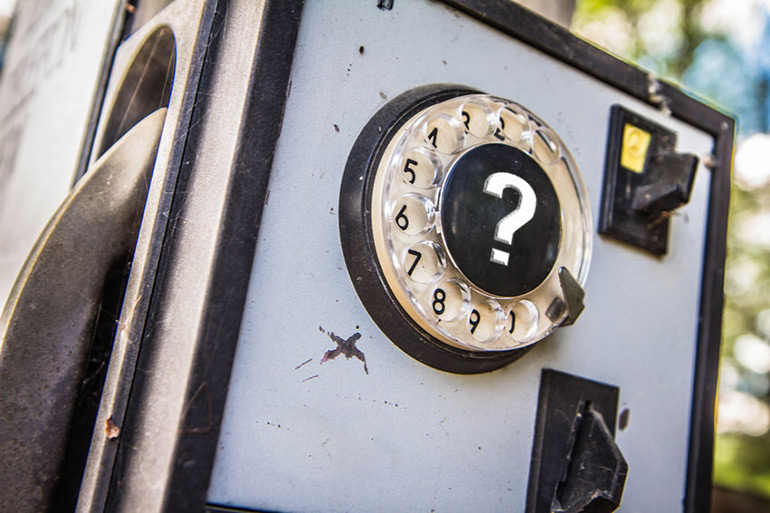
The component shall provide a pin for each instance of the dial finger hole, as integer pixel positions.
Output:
(478, 120)
(450, 300)
(413, 214)
(544, 146)
(444, 134)
(514, 124)
(424, 262)
(485, 321)
(421, 167)
(522, 321)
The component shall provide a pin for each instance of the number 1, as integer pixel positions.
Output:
(433, 136)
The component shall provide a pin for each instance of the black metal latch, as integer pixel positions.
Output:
(645, 180)
(576, 465)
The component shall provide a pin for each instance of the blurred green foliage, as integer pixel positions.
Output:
(709, 48)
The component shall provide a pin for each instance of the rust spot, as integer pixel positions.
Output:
(623, 418)
(111, 430)
(346, 347)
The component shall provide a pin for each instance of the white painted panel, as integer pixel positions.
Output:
(300, 435)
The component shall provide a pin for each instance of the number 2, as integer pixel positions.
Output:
(498, 133)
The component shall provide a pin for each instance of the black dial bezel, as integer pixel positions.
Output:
(358, 243)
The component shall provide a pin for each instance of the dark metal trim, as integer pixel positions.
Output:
(560, 43)
(221, 320)
(701, 452)
(260, 125)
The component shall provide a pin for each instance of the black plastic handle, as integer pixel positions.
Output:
(47, 323)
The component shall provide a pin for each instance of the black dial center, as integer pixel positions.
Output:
(501, 219)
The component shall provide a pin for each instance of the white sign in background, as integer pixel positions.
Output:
(47, 87)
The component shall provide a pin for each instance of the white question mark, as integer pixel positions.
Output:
(495, 184)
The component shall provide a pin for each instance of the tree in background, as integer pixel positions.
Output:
(720, 50)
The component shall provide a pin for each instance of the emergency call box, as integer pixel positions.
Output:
(407, 256)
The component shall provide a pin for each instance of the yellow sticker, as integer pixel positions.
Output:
(635, 144)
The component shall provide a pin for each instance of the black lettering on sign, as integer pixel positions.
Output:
(43, 48)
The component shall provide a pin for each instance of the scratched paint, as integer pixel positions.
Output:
(346, 347)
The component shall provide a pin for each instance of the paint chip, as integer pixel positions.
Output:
(111, 430)
(346, 347)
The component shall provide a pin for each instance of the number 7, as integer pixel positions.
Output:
(417, 257)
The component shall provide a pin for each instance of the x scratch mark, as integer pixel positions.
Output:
(345, 347)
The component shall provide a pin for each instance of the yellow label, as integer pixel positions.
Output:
(634, 151)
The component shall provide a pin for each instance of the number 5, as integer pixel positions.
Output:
(409, 170)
